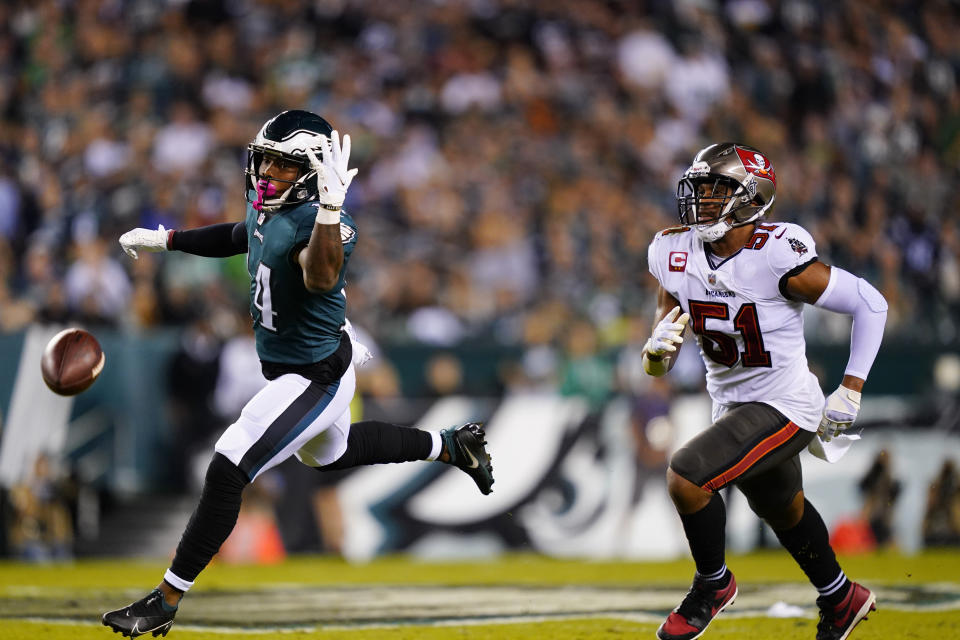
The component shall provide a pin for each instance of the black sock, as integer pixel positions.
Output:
(212, 520)
(374, 442)
(809, 544)
(706, 533)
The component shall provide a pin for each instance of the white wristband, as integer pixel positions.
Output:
(326, 216)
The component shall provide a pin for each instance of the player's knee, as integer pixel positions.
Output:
(780, 515)
(686, 495)
(225, 477)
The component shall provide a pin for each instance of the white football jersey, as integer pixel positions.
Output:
(750, 334)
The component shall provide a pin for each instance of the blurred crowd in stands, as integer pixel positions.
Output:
(516, 156)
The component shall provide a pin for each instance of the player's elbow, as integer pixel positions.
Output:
(319, 283)
(320, 276)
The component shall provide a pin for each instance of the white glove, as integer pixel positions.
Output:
(667, 334)
(839, 412)
(144, 240)
(361, 354)
(333, 177)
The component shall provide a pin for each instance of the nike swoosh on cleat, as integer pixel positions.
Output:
(473, 461)
(135, 631)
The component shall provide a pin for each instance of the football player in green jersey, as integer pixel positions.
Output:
(298, 241)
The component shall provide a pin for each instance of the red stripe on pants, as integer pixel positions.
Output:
(754, 456)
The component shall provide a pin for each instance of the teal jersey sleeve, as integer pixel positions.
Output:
(293, 325)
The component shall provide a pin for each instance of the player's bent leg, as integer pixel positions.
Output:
(376, 442)
(800, 529)
(373, 442)
(209, 526)
(714, 588)
(842, 603)
(287, 413)
(746, 439)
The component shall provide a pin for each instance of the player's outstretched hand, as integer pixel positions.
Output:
(839, 412)
(333, 176)
(668, 333)
(144, 240)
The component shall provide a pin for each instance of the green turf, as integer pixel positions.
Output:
(63, 583)
(772, 566)
(880, 626)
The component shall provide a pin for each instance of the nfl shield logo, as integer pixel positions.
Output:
(712, 279)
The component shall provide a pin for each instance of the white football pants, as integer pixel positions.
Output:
(291, 415)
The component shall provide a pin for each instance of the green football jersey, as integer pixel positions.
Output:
(292, 325)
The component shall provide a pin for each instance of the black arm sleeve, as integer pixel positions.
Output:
(214, 241)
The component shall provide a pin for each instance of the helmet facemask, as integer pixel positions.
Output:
(713, 204)
(728, 185)
(270, 197)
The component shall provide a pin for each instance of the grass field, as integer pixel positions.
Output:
(514, 597)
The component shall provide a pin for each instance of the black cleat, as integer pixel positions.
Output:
(700, 606)
(465, 445)
(143, 616)
(837, 622)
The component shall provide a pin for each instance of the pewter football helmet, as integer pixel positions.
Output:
(728, 185)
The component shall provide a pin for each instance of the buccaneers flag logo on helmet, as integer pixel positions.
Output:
(757, 164)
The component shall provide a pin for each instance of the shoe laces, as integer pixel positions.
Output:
(149, 603)
(473, 429)
(697, 601)
(828, 615)
(825, 623)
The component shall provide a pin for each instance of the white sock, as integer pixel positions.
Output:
(437, 448)
(176, 581)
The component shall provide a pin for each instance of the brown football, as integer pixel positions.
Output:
(71, 362)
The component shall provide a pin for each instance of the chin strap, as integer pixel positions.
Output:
(714, 232)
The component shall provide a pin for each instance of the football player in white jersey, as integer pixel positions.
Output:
(741, 285)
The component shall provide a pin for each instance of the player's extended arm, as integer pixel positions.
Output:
(213, 241)
(667, 337)
(322, 258)
(837, 290)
